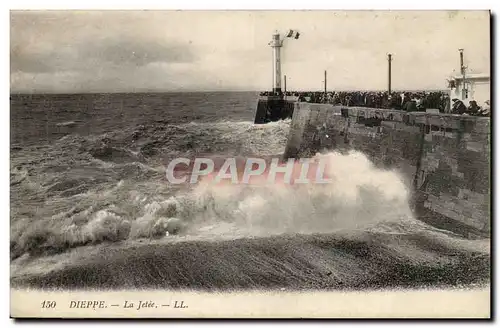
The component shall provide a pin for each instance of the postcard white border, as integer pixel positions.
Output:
(197, 4)
(311, 304)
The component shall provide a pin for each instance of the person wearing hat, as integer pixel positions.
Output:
(458, 107)
(485, 110)
(473, 108)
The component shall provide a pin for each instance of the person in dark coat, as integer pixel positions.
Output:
(458, 107)
(473, 108)
(485, 110)
(410, 106)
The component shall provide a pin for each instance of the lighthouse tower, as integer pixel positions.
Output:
(276, 44)
(273, 107)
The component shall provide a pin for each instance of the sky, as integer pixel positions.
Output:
(134, 51)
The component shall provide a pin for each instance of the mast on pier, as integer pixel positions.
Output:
(389, 82)
(325, 84)
(462, 71)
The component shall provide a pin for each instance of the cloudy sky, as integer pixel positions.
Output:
(116, 51)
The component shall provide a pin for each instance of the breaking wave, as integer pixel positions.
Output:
(360, 196)
(84, 207)
(112, 187)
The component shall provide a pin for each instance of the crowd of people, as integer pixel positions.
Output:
(458, 107)
(407, 101)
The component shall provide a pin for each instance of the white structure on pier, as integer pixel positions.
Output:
(276, 43)
(477, 87)
(468, 87)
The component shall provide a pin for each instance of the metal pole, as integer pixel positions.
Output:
(325, 83)
(284, 83)
(390, 73)
(462, 70)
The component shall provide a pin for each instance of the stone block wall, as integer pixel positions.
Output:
(444, 159)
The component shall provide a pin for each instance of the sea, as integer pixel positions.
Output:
(89, 196)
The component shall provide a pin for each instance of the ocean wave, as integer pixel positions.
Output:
(359, 197)
(84, 207)
(67, 123)
(355, 261)
(108, 189)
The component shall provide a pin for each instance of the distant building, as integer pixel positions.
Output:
(477, 87)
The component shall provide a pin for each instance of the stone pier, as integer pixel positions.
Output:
(445, 159)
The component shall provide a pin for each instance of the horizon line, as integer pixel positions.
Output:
(214, 91)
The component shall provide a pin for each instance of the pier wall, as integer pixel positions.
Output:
(270, 109)
(444, 159)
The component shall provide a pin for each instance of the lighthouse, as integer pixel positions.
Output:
(276, 44)
(274, 106)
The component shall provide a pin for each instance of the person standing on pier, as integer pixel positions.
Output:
(458, 107)
(473, 108)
